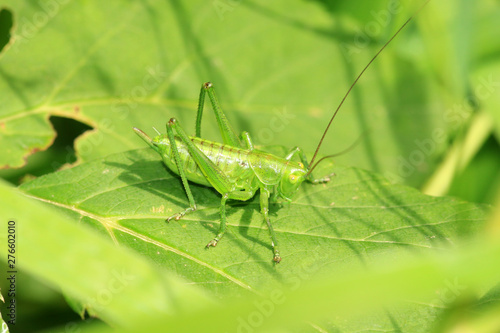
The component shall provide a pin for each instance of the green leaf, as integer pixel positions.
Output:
(339, 225)
(278, 72)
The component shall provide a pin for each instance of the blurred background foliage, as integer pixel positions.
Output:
(427, 110)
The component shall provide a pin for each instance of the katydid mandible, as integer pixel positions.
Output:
(235, 168)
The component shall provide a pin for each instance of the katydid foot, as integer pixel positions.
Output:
(325, 179)
(216, 240)
(213, 242)
(178, 216)
(277, 257)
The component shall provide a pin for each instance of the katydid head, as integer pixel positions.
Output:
(293, 176)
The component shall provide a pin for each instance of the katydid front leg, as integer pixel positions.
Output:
(182, 173)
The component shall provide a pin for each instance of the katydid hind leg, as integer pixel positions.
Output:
(199, 114)
(212, 172)
(227, 132)
(182, 173)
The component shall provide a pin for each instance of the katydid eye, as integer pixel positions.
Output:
(293, 178)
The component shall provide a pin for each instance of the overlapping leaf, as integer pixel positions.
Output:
(344, 223)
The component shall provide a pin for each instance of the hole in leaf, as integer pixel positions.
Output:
(6, 22)
(67, 131)
(61, 152)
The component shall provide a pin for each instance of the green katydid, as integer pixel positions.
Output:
(235, 168)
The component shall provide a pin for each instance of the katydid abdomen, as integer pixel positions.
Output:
(232, 161)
